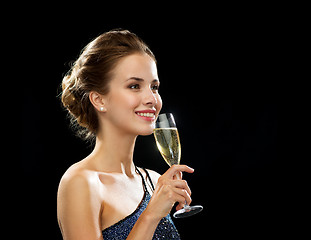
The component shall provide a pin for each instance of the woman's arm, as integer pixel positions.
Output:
(169, 190)
(144, 227)
(78, 209)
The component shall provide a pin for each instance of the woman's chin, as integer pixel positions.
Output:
(145, 134)
(146, 131)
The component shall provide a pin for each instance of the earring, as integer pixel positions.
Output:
(101, 109)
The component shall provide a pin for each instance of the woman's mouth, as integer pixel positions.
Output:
(148, 115)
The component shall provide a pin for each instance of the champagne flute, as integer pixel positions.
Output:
(167, 139)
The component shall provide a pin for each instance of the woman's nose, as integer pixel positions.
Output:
(150, 98)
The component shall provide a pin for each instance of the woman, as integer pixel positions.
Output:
(112, 93)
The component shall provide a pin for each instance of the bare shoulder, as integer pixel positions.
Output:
(77, 184)
(78, 204)
(75, 177)
(73, 185)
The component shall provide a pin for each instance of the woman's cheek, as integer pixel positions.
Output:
(159, 103)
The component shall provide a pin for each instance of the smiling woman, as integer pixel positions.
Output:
(111, 92)
(92, 72)
(128, 95)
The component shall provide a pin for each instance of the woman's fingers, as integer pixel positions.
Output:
(182, 196)
(175, 169)
(177, 191)
(182, 184)
(178, 176)
(171, 189)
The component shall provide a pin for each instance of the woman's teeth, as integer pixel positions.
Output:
(146, 114)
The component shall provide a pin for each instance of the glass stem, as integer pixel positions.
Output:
(186, 206)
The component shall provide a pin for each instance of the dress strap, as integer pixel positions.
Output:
(142, 177)
(149, 178)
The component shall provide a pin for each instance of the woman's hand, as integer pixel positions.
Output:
(169, 190)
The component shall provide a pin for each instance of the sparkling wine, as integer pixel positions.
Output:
(168, 143)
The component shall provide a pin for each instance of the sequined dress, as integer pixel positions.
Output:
(120, 230)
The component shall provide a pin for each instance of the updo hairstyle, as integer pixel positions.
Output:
(93, 71)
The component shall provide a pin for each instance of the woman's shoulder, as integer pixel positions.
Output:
(77, 200)
(77, 178)
(76, 187)
(74, 173)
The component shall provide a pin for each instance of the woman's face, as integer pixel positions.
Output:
(133, 102)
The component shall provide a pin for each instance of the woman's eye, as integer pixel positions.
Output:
(155, 87)
(134, 86)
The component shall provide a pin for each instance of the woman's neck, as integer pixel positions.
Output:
(114, 153)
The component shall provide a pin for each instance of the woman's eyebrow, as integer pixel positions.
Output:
(140, 79)
(136, 78)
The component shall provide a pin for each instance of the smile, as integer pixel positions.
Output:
(148, 115)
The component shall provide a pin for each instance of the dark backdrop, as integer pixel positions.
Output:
(217, 77)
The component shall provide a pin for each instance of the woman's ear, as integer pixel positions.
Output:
(97, 101)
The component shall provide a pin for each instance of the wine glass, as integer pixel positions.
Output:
(167, 139)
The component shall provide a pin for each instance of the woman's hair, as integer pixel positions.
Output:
(92, 71)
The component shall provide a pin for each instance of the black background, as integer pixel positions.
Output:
(217, 76)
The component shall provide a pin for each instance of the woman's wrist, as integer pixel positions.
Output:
(144, 227)
(150, 217)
